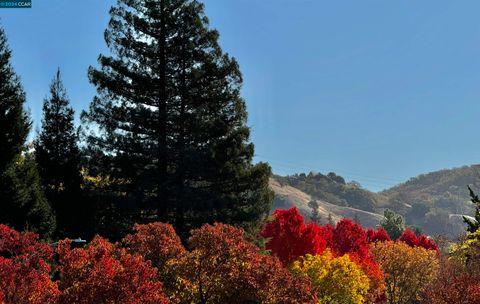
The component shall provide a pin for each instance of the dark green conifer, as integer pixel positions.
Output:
(22, 202)
(473, 224)
(58, 159)
(23, 205)
(168, 125)
(315, 215)
(393, 223)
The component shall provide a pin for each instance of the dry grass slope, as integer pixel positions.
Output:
(287, 197)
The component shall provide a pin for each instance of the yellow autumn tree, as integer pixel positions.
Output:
(334, 279)
(408, 270)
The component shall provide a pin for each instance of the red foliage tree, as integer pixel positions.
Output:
(427, 243)
(104, 273)
(409, 238)
(289, 237)
(222, 267)
(379, 235)
(351, 238)
(24, 269)
(316, 238)
(327, 234)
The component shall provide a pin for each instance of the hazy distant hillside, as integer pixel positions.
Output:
(435, 202)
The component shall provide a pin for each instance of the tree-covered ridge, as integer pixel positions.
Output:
(333, 189)
(444, 189)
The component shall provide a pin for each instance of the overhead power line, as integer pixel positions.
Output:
(371, 180)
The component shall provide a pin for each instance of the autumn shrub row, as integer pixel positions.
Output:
(304, 263)
(149, 266)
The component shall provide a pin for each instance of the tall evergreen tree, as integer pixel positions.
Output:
(169, 124)
(58, 159)
(22, 203)
(14, 121)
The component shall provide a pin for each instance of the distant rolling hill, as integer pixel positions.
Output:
(287, 197)
(434, 202)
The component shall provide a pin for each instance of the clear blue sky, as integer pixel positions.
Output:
(377, 91)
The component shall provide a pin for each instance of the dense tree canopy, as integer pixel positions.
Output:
(220, 265)
(459, 277)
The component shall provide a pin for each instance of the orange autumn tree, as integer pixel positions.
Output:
(157, 243)
(222, 267)
(408, 270)
(24, 269)
(104, 273)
